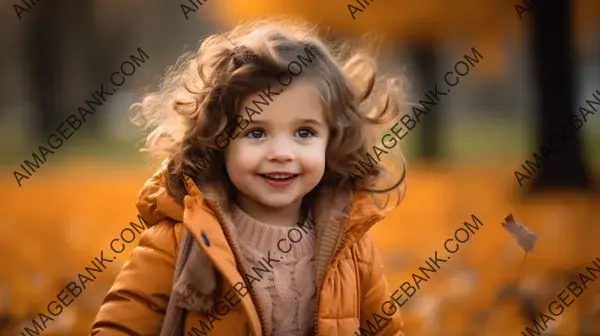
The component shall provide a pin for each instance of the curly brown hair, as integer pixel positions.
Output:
(201, 94)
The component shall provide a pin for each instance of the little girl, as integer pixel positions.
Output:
(259, 214)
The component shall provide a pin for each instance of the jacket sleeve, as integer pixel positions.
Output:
(137, 301)
(376, 292)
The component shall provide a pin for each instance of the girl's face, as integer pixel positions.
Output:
(280, 155)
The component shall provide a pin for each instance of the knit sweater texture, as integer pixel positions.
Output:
(289, 288)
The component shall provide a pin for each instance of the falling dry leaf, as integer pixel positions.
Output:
(520, 232)
(525, 238)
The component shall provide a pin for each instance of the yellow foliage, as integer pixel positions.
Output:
(56, 224)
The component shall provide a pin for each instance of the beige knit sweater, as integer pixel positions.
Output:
(289, 290)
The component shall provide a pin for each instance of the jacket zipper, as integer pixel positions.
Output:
(228, 235)
(338, 249)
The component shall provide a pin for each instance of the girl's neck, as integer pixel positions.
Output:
(289, 215)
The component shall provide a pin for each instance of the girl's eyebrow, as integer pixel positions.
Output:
(299, 121)
(310, 121)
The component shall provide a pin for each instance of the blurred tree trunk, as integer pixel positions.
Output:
(97, 55)
(57, 25)
(553, 68)
(425, 59)
(60, 81)
(44, 52)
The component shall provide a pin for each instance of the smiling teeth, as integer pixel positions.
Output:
(279, 176)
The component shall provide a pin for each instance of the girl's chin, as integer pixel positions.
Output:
(275, 200)
(275, 203)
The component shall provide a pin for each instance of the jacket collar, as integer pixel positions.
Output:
(341, 217)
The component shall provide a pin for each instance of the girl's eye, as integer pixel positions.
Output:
(305, 133)
(255, 133)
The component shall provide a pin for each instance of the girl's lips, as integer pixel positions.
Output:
(279, 183)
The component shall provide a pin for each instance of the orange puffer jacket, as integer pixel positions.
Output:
(210, 287)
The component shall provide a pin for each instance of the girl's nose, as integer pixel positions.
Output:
(280, 151)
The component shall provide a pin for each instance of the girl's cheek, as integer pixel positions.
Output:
(314, 157)
(236, 147)
(240, 153)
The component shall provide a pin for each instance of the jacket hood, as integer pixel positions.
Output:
(154, 203)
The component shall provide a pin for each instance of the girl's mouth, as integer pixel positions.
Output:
(279, 179)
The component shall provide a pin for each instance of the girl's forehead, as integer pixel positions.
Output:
(299, 100)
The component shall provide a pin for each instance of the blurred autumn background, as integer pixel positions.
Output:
(535, 71)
